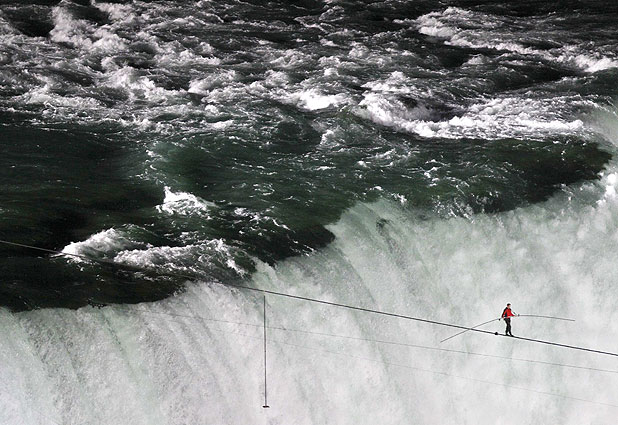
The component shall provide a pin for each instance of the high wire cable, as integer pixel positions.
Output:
(324, 302)
(471, 353)
(377, 341)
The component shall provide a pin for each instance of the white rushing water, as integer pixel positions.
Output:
(159, 363)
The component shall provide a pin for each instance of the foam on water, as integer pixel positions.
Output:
(125, 93)
(122, 13)
(459, 27)
(82, 34)
(105, 242)
(183, 203)
(390, 112)
(47, 96)
(127, 247)
(203, 86)
(313, 100)
(489, 119)
(137, 86)
(187, 258)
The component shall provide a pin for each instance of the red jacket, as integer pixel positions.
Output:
(507, 312)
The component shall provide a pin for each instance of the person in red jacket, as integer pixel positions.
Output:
(507, 313)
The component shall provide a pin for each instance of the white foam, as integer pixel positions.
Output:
(331, 62)
(491, 119)
(611, 185)
(459, 27)
(99, 245)
(172, 55)
(430, 25)
(331, 72)
(137, 86)
(359, 51)
(45, 95)
(118, 246)
(122, 13)
(256, 218)
(107, 41)
(182, 203)
(272, 79)
(604, 121)
(288, 59)
(325, 42)
(313, 99)
(329, 140)
(397, 82)
(68, 29)
(390, 111)
(81, 34)
(197, 258)
(204, 85)
(591, 64)
(477, 60)
(360, 55)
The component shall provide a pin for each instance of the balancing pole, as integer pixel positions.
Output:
(498, 318)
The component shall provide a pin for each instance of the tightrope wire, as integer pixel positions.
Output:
(377, 341)
(324, 302)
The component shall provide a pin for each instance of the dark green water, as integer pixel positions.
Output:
(204, 142)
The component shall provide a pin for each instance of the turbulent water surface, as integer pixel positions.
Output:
(430, 158)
